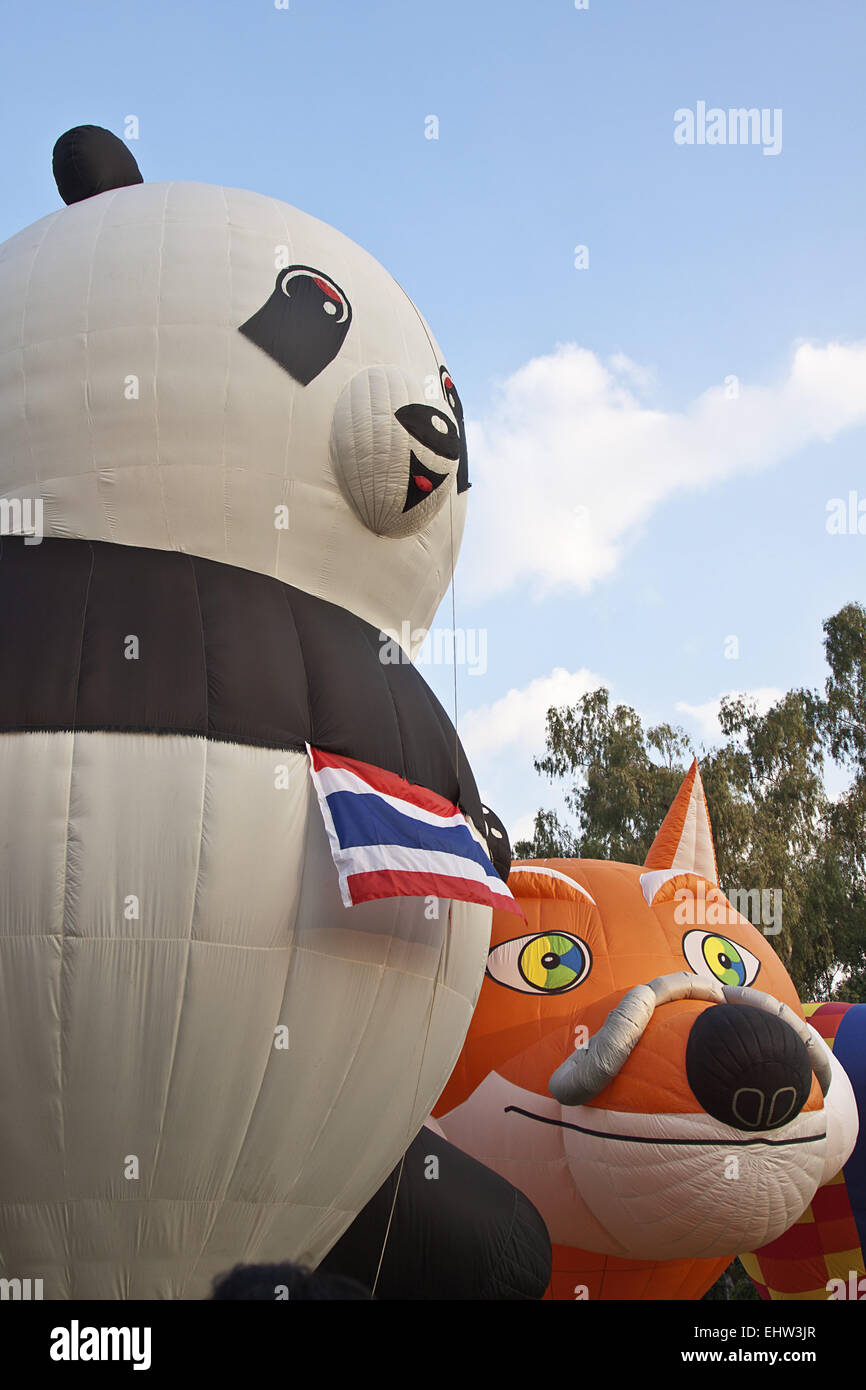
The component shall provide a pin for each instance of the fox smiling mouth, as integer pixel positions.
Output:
(653, 1139)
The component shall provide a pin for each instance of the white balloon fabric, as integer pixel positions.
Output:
(137, 412)
(204, 1057)
(229, 1076)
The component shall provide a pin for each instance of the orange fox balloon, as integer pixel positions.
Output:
(640, 1066)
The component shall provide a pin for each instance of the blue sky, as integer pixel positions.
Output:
(705, 263)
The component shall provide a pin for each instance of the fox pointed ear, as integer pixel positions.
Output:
(685, 840)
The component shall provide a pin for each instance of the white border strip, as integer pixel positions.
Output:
(551, 873)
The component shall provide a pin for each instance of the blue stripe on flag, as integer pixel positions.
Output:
(362, 818)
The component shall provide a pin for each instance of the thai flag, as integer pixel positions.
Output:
(392, 839)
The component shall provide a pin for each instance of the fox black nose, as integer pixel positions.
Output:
(746, 1067)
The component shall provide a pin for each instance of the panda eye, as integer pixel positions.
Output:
(548, 963)
(717, 958)
(431, 428)
(303, 324)
(452, 396)
(449, 391)
(299, 277)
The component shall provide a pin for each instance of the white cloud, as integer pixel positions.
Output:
(523, 828)
(706, 716)
(643, 377)
(517, 720)
(573, 463)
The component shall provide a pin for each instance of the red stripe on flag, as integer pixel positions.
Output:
(387, 782)
(403, 883)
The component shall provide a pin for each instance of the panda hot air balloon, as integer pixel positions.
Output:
(232, 433)
(444, 1227)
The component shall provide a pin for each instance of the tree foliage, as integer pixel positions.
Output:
(734, 1286)
(776, 827)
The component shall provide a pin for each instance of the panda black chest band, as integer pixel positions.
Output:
(104, 637)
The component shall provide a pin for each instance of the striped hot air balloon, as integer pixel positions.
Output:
(821, 1255)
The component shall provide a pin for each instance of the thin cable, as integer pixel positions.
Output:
(454, 635)
(390, 1219)
(445, 936)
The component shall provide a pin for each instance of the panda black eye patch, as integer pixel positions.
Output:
(453, 399)
(432, 428)
(303, 324)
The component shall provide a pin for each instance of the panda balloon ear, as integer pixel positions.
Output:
(89, 160)
(498, 843)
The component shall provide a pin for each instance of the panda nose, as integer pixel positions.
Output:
(747, 1068)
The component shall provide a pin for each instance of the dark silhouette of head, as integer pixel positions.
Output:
(284, 1282)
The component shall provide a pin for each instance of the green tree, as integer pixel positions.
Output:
(776, 829)
(619, 792)
(841, 716)
(734, 1286)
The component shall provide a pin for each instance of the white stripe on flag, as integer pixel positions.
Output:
(338, 779)
(361, 859)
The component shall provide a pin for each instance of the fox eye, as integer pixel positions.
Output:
(717, 958)
(549, 963)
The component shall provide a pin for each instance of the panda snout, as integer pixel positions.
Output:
(392, 453)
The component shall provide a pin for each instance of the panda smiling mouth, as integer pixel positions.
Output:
(422, 482)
